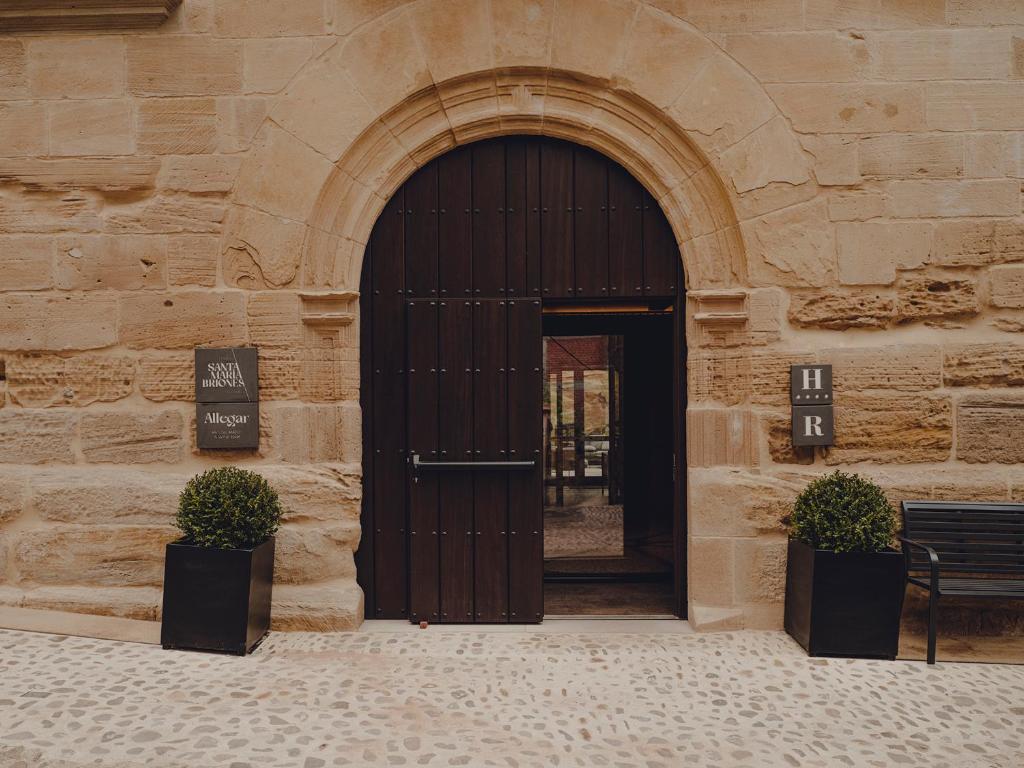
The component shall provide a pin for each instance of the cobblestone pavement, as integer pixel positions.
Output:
(512, 698)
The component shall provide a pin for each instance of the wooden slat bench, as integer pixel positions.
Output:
(963, 549)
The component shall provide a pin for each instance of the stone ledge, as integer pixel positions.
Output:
(80, 625)
(56, 15)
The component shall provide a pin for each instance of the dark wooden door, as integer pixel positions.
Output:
(458, 269)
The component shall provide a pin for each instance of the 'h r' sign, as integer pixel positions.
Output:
(810, 389)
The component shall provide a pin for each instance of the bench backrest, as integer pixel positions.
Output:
(985, 537)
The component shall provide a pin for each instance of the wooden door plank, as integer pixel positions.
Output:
(590, 223)
(661, 254)
(490, 441)
(455, 224)
(391, 566)
(534, 273)
(364, 555)
(421, 233)
(556, 220)
(455, 357)
(625, 234)
(422, 420)
(516, 217)
(525, 491)
(489, 274)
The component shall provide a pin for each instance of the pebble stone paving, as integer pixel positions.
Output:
(472, 698)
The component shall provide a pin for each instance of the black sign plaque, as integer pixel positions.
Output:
(810, 384)
(813, 425)
(227, 425)
(227, 375)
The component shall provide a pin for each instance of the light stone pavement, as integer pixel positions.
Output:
(441, 697)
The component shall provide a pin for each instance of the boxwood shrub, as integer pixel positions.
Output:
(843, 513)
(228, 508)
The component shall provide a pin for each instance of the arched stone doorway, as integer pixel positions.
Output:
(662, 100)
(495, 490)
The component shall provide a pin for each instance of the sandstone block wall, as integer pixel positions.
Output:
(844, 178)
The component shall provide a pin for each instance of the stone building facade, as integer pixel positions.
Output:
(843, 178)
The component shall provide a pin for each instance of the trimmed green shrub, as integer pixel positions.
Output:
(843, 513)
(228, 508)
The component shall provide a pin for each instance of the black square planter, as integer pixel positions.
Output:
(217, 599)
(844, 603)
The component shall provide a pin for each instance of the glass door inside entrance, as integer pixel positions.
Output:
(607, 544)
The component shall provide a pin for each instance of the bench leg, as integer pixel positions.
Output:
(933, 606)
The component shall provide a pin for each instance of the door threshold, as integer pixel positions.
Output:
(561, 625)
(611, 617)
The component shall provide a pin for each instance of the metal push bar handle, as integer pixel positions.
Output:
(423, 466)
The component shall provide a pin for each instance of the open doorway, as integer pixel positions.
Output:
(608, 474)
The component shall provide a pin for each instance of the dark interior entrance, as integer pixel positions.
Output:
(475, 258)
(608, 502)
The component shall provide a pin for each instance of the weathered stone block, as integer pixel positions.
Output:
(263, 251)
(42, 381)
(98, 496)
(761, 570)
(157, 66)
(102, 127)
(307, 553)
(257, 18)
(282, 374)
(19, 129)
(141, 603)
(13, 77)
(903, 156)
(838, 311)
(871, 252)
(56, 323)
(779, 430)
(906, 368)
(712, 570)
(1006, 286)
(26, 263)
(183, 319)
(331, 606)
(989, 427)
(960, 54)
(769, 155)
(995, 155)
(133, 438)
(876, 14)
(269, 65)
(36, 437)
(978, 243)
(983, 365)
(199, 174)
(989, 197)
(240, 119)
(283, 177)
(896, 429)
(993, 106)
(927, 298)
(104, 174)
(828, 57)
(12, 498)
(769, 374)
(192, 260)
(851, 108)
(735, 502)
(167, 215)
(177, 126)
(169, 377)
(794, 247)
(835, 159)
(717, 437)
(274, 319)
(316, 494)
(105, 555)
(84, 68)
(310, 433)
(102, 262)
(719, 375)
(858, 205)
